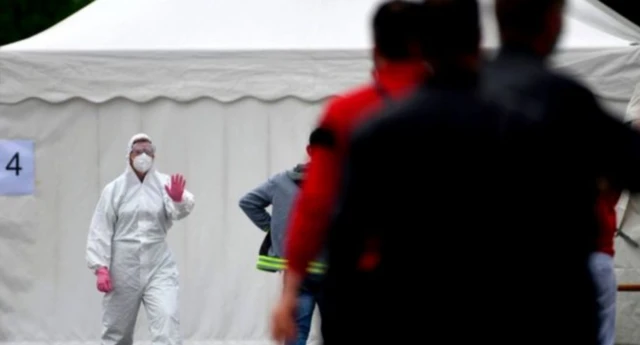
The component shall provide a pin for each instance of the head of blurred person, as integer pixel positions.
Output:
(314, 138)
(395, 33)
(534, 25)
(451, 36)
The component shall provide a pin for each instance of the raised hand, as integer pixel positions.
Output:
(176, 188)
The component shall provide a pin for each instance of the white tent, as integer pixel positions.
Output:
(226, 50)
(229, 91)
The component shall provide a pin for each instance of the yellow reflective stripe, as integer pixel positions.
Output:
(271, 263)
(315, 270)
(270, 259)
(269, 267)
(284, 261)
(273, 260)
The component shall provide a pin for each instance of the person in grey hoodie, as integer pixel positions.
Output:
(280, 192)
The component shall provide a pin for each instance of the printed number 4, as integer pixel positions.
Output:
(14, 164)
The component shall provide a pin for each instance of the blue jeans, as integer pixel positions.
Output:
(310, 295)
(601, 266)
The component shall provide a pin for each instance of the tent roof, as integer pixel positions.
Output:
(227, 50)
(247, 25)
(586, 26)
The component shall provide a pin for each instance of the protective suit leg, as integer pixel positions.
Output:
(120, 311)
(161, 304)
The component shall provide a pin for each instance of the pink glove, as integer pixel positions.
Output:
(176, 188)
(104, 280)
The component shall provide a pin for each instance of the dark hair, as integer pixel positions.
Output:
(523, 18)
(322, 137)
(450, 28)
(395, 29)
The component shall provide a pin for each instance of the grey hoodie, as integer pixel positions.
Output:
(280, 192)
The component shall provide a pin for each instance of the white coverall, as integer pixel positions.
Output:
(127, 235)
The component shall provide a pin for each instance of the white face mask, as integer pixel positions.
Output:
(142, 163)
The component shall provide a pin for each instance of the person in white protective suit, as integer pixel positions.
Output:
(126, 247)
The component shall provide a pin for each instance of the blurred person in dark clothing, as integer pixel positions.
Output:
(558, 142)
(412, 171)
(496, 216)
(398, 69)
(602, 263)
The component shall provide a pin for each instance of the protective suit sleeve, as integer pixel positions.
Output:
(179, 210)
(254, 205)
(101, 231)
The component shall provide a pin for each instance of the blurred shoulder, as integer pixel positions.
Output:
(345, 102)
(386, 122)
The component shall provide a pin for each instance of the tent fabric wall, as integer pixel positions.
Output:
(599, 15)
(611, 74)
(179, 75)
(191, 48)
(48, 295)
(224, 145)
(228, 76)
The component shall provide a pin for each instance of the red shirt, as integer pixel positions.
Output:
(606, 211)
(311, 213)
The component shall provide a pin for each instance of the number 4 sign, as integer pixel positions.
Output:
(16, 167)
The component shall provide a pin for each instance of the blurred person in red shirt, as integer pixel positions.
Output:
(398, 68)
(602, 264)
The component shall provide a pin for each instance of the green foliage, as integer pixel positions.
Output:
(20, 19)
